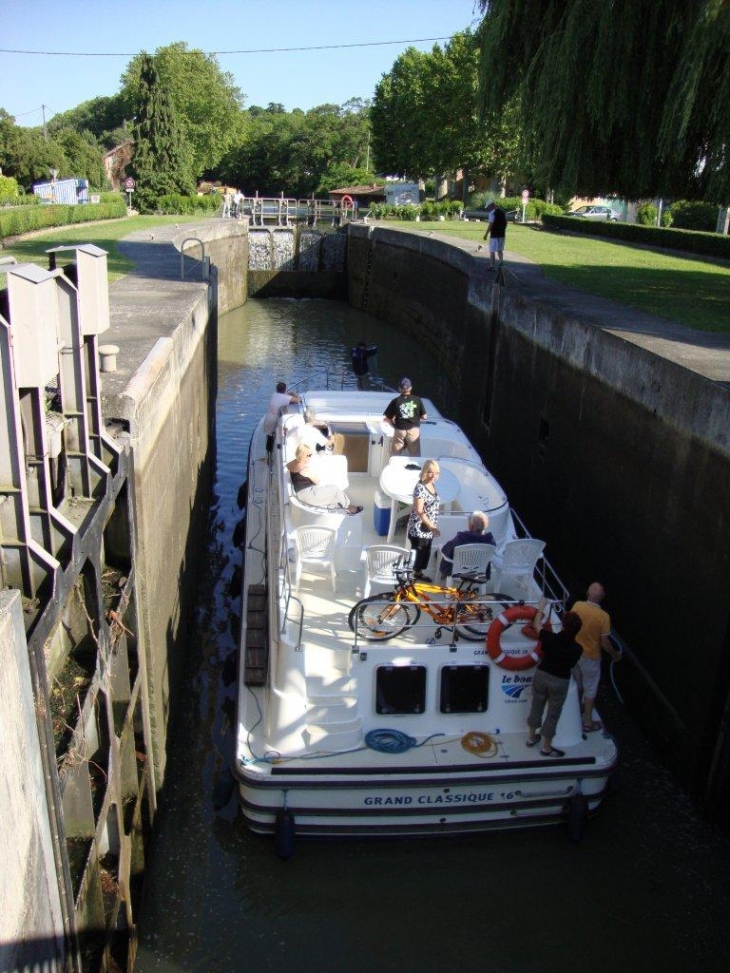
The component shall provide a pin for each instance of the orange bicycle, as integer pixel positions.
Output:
(461, 610)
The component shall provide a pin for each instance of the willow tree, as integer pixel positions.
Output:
(161, 161)
(616, 95)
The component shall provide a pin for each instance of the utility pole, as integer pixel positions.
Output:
(45, 130)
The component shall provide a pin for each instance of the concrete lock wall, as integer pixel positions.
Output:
(619, 459)
(31, 918)
(166, 401)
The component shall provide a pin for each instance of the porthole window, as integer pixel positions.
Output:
(464, 689)
(400, 690)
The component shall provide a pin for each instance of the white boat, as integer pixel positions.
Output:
(421, 733)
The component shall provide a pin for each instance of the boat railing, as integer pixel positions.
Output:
(337, 378)
(545, 574)
(308, 380)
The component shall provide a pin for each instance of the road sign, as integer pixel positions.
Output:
(129, 184)
(525, 195)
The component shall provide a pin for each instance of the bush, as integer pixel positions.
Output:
(176, 204)
(8, 190)
(705, 244)
(535, 209)
(646, 214)
(687, 215)
(25, 219)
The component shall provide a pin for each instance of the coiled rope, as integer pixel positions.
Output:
(393, 741)
(480, 744)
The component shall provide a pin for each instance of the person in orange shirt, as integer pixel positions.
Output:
(592, 638)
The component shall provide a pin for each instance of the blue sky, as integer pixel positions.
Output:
(296, 79)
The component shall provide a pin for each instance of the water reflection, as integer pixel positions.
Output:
(646, 889)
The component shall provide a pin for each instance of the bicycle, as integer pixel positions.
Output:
(461, 609)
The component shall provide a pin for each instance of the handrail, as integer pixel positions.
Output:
(6, 263)
(204, 261)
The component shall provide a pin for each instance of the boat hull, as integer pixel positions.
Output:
(526, 795)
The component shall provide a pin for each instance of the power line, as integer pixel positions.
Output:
(33, 111)
(255, 50)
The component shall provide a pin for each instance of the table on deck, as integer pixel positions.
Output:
(398, 482)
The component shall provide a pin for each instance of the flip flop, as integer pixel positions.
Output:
(532, 743)
(592, 727)
(552, 752)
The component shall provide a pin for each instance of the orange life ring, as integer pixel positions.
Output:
(515, 663)
(347, 202)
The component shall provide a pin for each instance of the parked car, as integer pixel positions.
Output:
(595, 213)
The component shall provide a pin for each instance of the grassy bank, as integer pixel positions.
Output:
(692, 292)
(32, 249)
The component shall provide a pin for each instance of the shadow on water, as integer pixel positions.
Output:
(647, 888)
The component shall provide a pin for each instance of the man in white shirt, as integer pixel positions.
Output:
(279, 399)
(315, 434)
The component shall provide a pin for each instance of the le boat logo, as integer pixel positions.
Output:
(514, 686)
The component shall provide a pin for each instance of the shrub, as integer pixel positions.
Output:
(688, 215)
(646, 214)
(8, 189)
(174, 204)
(17, 221)
(706, 244)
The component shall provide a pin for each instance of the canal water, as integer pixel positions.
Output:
(647, 889)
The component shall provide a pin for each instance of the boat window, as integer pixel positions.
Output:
(464, 689)
(400, 689)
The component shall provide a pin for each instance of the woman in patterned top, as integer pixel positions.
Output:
(422, 524)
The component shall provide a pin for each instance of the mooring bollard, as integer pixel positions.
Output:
(108, 358)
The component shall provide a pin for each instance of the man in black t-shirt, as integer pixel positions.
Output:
(405, 414)
(497, 231)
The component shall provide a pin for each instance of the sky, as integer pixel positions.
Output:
(293, 78)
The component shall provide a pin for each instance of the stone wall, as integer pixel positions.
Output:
(31, 915)
(618, 458)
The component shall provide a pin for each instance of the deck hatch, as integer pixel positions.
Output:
(400, 689)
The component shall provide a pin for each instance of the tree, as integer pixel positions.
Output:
(84, 158)
(341, 175)
(104, 118)
(26, 155)
(208, 104)
(628, 96)
(400, 118)
(425, 117)
(290, 152)
(161, 161)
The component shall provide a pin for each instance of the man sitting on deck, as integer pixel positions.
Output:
(476, 534)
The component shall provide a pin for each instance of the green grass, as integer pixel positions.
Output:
(695, 293)
(692, 292)
(32, 249)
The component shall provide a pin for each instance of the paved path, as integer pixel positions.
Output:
(704, 352)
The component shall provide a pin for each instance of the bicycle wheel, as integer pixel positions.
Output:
(473, 619)
(379, 617)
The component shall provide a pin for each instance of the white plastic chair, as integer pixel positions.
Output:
(472, 557)
(519, 558)
(380, 560)
(315, 548)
